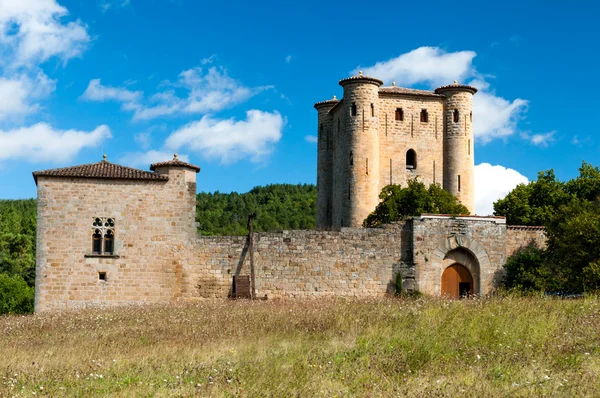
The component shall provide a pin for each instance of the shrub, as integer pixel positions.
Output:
(398, 284)
(16, 297)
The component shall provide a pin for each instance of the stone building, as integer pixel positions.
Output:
(377, 136)
(112, 235)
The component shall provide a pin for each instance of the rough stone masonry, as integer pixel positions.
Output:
(112, 235)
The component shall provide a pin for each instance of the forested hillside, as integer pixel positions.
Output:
(17, 238)
(277, 206)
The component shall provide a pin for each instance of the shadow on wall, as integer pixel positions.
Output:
(406, 266)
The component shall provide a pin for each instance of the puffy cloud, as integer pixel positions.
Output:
(209, 89)
(33, 31)
(97, 92)
(42, 143)
(430, 65)
(493, 183)
(230, 140)
(19, 94)
(311, 138)
(541, 140)
(493, 116)
(145, 159)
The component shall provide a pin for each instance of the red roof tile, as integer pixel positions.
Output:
(175, 162)
(103, 169)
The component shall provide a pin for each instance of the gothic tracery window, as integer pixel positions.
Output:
(103, 235)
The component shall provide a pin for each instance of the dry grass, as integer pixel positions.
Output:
(388, 347)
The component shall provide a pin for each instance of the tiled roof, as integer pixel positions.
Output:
(455, 86)
(175, 162)
(360, 77)
(331, 102)
(103, 169)
(526, 228)
(408, 91)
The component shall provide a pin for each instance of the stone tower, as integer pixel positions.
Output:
(377, 136)
(459, 159)
(325, 162)
(357, 152)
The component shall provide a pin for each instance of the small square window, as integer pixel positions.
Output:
(102, 276)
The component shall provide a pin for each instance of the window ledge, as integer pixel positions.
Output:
(94, 255)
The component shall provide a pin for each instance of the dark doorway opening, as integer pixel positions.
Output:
(464, 289)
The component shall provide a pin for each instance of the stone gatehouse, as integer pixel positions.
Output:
(109, 234)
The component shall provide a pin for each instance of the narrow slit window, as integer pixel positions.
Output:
(351, 157)
(372, 110)
(102, 276)
(458, 183)
(399, 114)
(348, 190)
(469, 147)
(367, 167)
(456, 116)
(321, 131)
(353, 109)
(471, 116)
(424, 116)
(411, 159)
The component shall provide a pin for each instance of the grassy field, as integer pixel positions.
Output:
(494, 347)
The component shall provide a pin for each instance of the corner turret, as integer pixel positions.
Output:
(459, 159)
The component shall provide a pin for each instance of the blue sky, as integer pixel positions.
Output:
(230, 85)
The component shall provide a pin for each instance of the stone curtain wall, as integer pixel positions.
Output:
(518, 236)
(350, 262)
(154, 231)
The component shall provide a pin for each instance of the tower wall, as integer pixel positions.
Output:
(396, 137)
(459, 160)
(357, 160)
(325, 164)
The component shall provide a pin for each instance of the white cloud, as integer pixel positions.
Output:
(19, 95)
(230, 140)
(33, 31)
(108, 4)
(42, 143)
(493, 116)
(493, 183)
(430, 65)
(97, 92)
(541, 140)
(288, 59)
(145, 159)
(143, 139)
(311, 138)
(209, 89)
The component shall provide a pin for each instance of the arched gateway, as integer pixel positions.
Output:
(459, 262)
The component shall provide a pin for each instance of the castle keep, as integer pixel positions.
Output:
(113, 235)
(377, 136)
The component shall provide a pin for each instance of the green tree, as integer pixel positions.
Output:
(535, 203)
(414, 200)
(16, 297)
(570, 211)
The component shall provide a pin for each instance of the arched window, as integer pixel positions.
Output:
(354, 109)
(109, 242)
(97, 242)
(399, 114)
(411, 159)
(424, 116)
(103, 236)
(456, 116)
